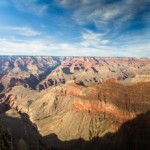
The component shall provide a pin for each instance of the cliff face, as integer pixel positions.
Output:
(81, 100)
(91, 71)
(42, 72)
(27, 71)
(73, 111)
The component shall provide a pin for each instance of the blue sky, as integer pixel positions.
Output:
(75, 27)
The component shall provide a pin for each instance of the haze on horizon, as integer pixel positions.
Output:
(116, 28)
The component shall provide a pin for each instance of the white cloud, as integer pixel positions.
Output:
(93, 39)
(89, 10)
(22, 47)
(46, 46)
(30, 6)
(105, 15)
(25, 31)
(105, 42)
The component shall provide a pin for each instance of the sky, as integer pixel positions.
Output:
(105, 28)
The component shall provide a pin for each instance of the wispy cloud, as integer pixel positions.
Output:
(45, 46)
(124, 22)
(25, 31)
(32, 6)
(93, 39)
(77, 27)
(40, 47)
(114, 13)
(21, 47)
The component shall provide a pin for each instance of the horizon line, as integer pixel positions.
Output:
(73, 56)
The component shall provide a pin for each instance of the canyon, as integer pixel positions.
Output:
(74, 103)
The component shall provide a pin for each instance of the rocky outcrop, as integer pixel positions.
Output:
(73, 111)
(42, 72)
(90, 71)
(26, 71)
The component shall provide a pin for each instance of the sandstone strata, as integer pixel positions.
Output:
(75, 102)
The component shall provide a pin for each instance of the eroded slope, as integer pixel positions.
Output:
(72, 111)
